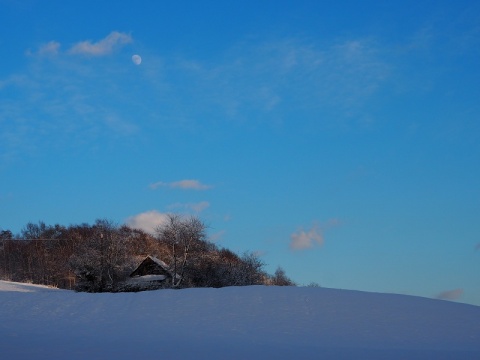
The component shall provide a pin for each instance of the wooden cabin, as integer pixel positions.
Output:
(150, 274)
(151, 266)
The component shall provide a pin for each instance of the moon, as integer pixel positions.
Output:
(137, 60)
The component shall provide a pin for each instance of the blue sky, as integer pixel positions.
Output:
(338, 139)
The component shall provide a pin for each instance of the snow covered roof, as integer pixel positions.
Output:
(151, 265)
(158, 262)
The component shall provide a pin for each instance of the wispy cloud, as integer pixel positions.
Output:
(147, 221)
(103, 47)
(182, 184)
(198, 207)
(307, 239)
(450, 294)
(50, 48)
(65, 97)
(217, 236)
(195, 207)
(272, 78)
(60, 100)
(119, 125)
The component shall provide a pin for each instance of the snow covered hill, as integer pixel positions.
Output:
(254, 322)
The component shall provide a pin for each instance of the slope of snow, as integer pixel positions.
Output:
(253, 322)
(23, 287)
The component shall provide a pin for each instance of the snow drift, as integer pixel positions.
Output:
(254, 322)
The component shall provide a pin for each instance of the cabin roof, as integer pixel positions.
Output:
(151, 265)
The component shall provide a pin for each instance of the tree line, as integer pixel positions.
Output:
(100, 257)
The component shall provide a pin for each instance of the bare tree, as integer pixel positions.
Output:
(6, 237)
(183, 235)
(252, 269)
(101, 260)
(280, 278)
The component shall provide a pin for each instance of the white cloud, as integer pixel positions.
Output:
(189, 184)
(302, 239)
(182, 184)
(147, 221)
(307, 239)
(103, 47)
(450, 294)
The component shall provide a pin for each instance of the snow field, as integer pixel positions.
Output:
(255, 322)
